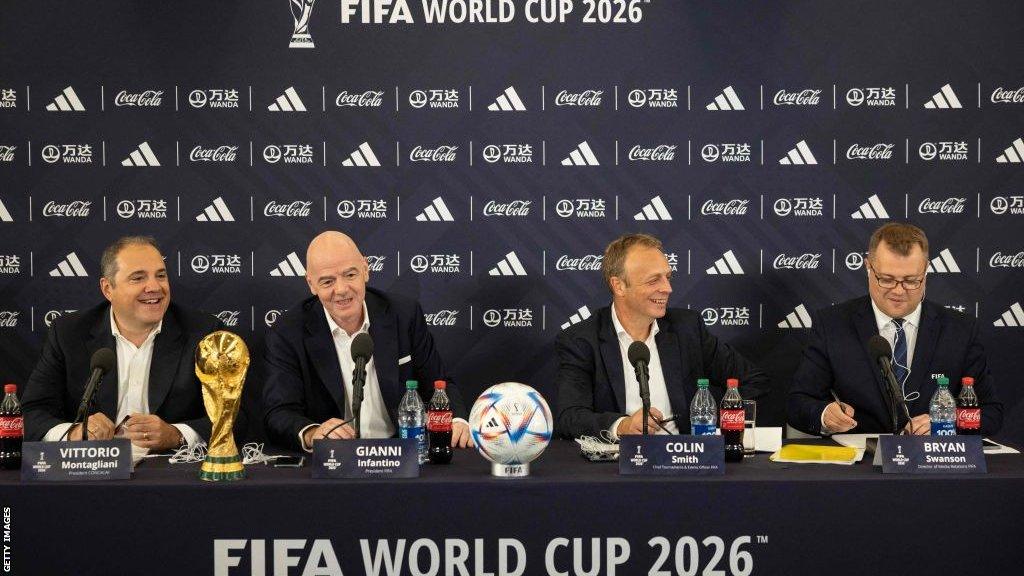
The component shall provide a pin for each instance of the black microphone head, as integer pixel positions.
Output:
(362, 347)
(103, 360)
(638, 352)
(879, 347)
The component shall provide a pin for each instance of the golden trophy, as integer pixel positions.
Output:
(222, 359)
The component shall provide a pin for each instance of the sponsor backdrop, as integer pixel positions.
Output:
(483, 153)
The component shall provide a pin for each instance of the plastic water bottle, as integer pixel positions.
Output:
(703, 411)
(942, 410)
(411, 417)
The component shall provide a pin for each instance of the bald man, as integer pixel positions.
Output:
(308, 391)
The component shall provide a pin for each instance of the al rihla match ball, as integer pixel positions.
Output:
(511, 425)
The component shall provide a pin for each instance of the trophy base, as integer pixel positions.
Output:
(301, 41)
(510, 470)
(222, 468)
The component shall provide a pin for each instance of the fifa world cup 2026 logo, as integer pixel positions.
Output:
(301, 11)
(222, 360)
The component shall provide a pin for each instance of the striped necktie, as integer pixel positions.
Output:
(899, 354)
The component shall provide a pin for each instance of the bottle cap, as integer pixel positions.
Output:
(411, 385)
(942, 381)
(10, 388)
(967, 381)
(732, 383)
(702, 383)
(439, 385)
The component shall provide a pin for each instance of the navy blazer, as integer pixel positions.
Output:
(55, 388)
(303, 374)
(591, 383)
(837, 357)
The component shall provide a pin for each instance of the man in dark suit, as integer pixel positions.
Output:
(927, 340)
(597, 388)
(308, 391)
(152, 389)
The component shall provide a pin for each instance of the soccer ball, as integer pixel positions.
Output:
(511, 425)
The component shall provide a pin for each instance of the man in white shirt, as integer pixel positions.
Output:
(152, 394)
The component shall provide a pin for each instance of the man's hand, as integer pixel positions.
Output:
(919, 425)
(635, 423)
(838, 419)
(100, 428)
(461, 438)
(329, 429)
(150, 431)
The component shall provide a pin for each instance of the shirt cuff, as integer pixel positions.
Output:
(824, 429)
(191, 436)
(612, 434)
(57, 432)
(302, 441)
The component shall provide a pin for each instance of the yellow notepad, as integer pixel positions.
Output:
(810, 454)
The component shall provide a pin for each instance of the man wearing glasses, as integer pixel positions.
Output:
(927, 340)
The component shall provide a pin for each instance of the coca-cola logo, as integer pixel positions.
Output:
(218, 154)
(1001, 95)
(296, 209)
(875, 152)
(1000, 260)
(439, 154)
(731, 419)
(7, 153)
(590, 262)
(733, 207)
(375, 263)
(439, 420)
(12, 426)
(442, 318)
(660, 153)
(947, 206)
(807, 97)
(513, 208)
(228, 317)
(584, 98)
(807, 261)
(368, 99)
(8, 319)
(968, 417)
(147, 98)
(76, 209)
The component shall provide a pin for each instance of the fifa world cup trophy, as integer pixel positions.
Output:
(301, 11)
(222, 360)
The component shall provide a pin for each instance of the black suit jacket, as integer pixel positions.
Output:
(837, 357)
(303, 375)
(591, 383)
(57, 383)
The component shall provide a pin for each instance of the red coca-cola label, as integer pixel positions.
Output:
(12, 427)
(439, 421)
(968, 418)
(731, 420)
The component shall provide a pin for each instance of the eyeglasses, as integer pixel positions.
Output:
(890, 283)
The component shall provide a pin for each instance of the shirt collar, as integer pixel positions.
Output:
(333, 326)
(620, 331)
(117, 333)
(881, 319)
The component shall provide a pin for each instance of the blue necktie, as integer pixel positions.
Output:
(899, 354)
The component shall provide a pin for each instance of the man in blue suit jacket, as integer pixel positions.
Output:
(597, 389)
(927, 340)
(308, 390)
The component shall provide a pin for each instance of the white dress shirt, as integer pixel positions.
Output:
(656, 379)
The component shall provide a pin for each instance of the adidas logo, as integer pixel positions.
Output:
(5, 216)
(944, 98)
(436, 211)
(141, 156)
(1012, 318)
(653, 210)
(509, 266)
(493, 423)
(943, 263)
(870, 210)
(508, 101)
(581, 156)
(290, 266)
(727, 264)
(582, 314)
(798, 318)
(69, 267)
(727, 100)
(216, 212)
(363, 156)
(66, 101)
(288, 102)
(798, 156)
(1014, 154)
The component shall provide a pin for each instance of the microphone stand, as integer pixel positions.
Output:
(642, 378)
(358, 381)
(83, 408)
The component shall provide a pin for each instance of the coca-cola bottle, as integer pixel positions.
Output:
(11, 429)
(439, 426)
(730, 418)
(968, 413)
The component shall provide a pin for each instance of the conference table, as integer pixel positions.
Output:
(571, 517)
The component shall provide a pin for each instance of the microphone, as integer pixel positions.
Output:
(881, 351)
(103, 361)
(362, 351)
(639, 356)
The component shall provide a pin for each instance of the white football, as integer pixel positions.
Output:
(510, 423)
